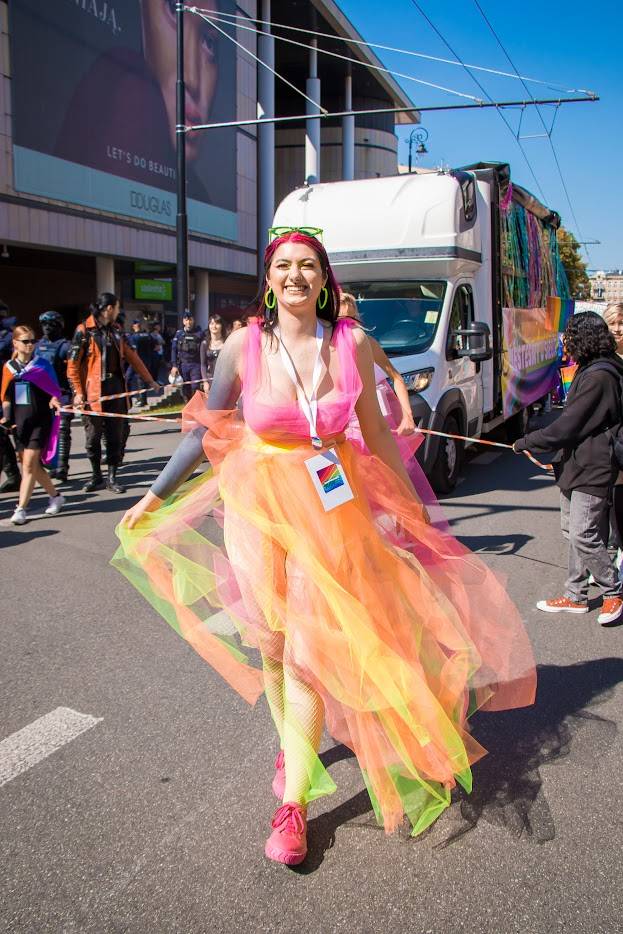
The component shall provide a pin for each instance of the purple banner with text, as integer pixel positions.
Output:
(530, 355)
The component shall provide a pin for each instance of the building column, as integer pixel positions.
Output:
(202, 298)
(266, 134)
(104, 274)
(348, 132)
(312, 127)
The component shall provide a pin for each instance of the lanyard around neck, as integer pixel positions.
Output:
(309, 405)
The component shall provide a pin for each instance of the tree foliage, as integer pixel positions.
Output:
(575, 267)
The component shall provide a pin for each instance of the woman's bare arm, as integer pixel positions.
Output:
(407, 424)
(374, 428)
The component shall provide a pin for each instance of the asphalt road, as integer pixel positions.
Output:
(154, 818)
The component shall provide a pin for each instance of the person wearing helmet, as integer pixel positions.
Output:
(55, 348)
(8, 460)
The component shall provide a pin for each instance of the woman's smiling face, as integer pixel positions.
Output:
(295, 275)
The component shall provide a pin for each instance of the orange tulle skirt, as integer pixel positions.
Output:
(399, 628)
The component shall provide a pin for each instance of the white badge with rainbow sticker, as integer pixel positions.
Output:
(329, 479)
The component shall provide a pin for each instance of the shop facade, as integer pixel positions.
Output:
(87, 146)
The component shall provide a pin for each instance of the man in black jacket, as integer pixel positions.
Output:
(584, 465)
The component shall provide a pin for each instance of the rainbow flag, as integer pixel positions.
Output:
(559, 310)
(330, 477)
(567, 374)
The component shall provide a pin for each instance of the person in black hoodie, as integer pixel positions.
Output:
(584, 465)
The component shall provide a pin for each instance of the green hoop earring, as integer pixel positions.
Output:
(270, 302)
(323, 299)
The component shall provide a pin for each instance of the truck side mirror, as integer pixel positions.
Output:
(473, 342)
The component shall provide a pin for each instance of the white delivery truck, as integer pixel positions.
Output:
(429, 260)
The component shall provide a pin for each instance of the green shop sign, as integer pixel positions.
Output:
(154, 290)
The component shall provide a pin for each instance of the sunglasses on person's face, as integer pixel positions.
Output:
(275, 232)
(29, 340)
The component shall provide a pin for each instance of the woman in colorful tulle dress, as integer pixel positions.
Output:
(368, 618)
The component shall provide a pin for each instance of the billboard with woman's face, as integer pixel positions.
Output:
(93, 91)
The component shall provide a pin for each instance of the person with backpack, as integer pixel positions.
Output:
(99, 354)
(585, 441)
(55, 348)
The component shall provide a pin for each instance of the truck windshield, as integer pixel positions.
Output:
(402, 316)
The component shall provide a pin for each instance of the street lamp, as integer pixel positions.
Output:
(419, 135)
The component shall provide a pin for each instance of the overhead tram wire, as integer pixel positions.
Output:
(483, 105)
(208, 18)
(234, 18)
(223, 32)
(484, 91)
(548, 133)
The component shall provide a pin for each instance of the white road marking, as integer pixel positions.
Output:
(35, 742)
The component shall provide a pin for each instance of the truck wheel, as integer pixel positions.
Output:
(447, 466)
(517, 425)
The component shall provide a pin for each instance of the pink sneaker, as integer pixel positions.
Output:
(288, 841)
(279, 781)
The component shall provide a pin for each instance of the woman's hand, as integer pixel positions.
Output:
(55, 404)
(148, 503)
(205, 387)
(406, 426)
(78, 400)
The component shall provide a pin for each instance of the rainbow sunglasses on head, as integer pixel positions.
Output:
(275, 232)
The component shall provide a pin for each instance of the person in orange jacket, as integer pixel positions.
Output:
(95, 368)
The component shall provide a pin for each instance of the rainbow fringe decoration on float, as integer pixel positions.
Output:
(531, 265)
(559, 310)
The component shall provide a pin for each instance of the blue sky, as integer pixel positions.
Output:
(552, 41)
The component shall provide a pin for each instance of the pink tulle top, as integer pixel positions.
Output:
(271, 416)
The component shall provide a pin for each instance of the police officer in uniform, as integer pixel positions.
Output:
(186, 354)
(8, 460)
(55, 348)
